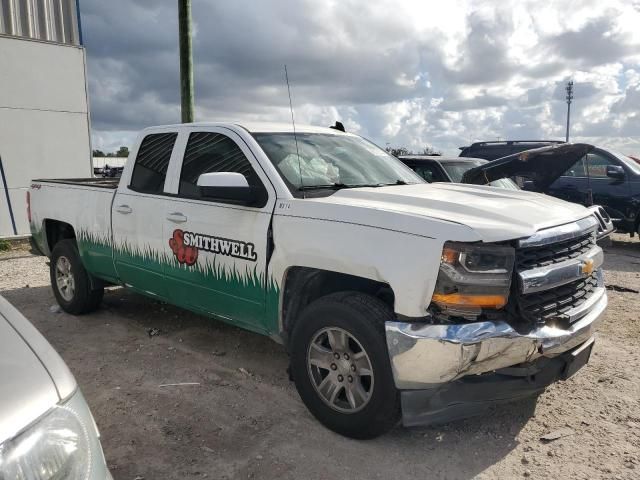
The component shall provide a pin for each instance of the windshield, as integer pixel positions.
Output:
(336, 161)
(629, 162)
(457, 169)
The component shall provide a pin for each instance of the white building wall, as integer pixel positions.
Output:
(44, 119)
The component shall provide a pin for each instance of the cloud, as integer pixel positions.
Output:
(596, 43)
(398, 72)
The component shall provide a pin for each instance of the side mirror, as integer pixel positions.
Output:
(225, 186)
(615, 171)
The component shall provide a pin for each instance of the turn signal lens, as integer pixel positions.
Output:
(449, 255)
(456, 300)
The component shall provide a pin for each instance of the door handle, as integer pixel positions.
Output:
(124, 209)
(176, 217)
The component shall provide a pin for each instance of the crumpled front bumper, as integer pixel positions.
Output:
(426, 355)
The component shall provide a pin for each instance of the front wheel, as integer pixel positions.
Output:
(340, 364)
(70, 281)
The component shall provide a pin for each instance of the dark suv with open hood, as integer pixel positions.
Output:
(578, 173)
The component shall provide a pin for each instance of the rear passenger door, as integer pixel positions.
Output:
(137, 216)
(223, 270)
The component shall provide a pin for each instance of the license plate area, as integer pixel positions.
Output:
(577, 358)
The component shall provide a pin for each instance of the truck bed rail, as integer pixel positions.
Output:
(111, 183)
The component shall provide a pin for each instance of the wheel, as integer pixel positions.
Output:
(70, 281)
(340, 364)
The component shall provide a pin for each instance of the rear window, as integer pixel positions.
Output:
(150, 169)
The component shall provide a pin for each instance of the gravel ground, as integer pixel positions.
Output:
(245, 420)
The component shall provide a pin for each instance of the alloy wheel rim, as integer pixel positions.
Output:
(340, 370)
(64, 279)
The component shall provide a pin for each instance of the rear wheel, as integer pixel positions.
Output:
(340, 364)
(70, 281)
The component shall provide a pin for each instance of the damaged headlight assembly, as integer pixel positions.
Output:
(473, 278)
(55, 447)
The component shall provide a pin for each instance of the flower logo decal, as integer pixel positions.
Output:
(186, 255)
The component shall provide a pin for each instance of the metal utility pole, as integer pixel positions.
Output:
(569, 89)
(186, 60)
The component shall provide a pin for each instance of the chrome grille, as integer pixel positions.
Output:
(552, 304)
(534, 257)
(544, 250)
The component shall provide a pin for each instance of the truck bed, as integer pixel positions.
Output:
(111, 183)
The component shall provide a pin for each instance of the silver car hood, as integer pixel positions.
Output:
(33, 377)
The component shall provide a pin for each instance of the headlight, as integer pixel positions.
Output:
(473, 277)
(56, 447)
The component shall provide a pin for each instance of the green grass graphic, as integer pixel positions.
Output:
(212, 274)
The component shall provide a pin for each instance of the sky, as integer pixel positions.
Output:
(400, 72)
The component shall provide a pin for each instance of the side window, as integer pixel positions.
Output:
(429, 173)
(578, 169)
(209, 152)
(150, 169)
(597, 165)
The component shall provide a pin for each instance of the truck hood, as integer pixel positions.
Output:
(542, 165)
(32, 375)
(493, 214)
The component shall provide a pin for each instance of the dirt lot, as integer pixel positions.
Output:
(244, 418)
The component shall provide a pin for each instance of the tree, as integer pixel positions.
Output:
(98, 153)
(397, 151)
(122, 152)
(429, 150)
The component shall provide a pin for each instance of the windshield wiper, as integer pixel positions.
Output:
(397, 182)
(328, 186)
(338, 185)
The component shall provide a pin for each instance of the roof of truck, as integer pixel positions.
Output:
(257, 127)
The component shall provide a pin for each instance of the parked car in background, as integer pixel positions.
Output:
(46, 428)
(499, 149)
(608, 178)
(107, 171)
(577, 173)
(434, 168)
(452, 169)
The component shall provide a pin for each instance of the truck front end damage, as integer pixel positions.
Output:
(505, 322)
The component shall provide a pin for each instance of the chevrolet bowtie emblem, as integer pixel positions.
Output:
(587, 267)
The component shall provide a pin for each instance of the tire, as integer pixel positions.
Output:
(66, 270)
(365, 406)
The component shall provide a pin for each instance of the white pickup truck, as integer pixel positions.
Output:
(394, 298)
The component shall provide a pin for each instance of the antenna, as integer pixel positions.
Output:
(293, 122)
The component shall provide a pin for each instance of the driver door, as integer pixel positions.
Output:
(218, 248)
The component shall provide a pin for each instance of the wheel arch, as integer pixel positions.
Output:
(302, 285)
(56, 230)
